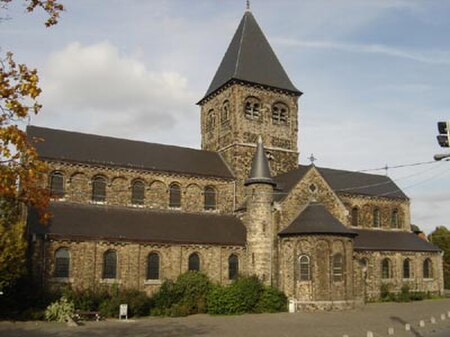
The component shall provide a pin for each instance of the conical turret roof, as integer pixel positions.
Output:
(250, 58)
(260, 171)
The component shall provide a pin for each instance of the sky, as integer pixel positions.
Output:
(375, 76)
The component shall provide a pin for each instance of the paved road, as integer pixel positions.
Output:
(354, 323)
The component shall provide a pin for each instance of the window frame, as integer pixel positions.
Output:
(153, 267)
(279, 113)
(355, 216)
(62, 263)
(252, 108)
(233, 267)
(304, 264)
(175, 195)
(210, 194)
(427, 268)
(194, 265)
(395, 218)
(376, 218)
(338, 267)
(95, 196)
(135, 200)
(406, 267)
(55, 192)
(386, 274)
(109, 273)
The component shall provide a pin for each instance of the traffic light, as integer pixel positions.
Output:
(444, 134)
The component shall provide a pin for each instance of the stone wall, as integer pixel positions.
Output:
(233, 136)
(320, 250)
(86, 263)
(78, 187)
(366, 206)
(369, 283)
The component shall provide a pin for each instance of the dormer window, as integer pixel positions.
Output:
(279, 114)
(252, 108)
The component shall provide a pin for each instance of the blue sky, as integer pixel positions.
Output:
(375, 76)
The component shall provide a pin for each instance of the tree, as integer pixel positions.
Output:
(21, 172)
(441, 238)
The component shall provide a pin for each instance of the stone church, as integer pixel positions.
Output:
(134, 213)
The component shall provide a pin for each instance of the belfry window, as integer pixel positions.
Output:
(153, 266)
(338, 266)
(194, 262)
(210, 198)
(99, 189)
(56, 185)
(252, 108)
(225, 113)
(174, 195)
(62, 262)
(110, 264)
(210, 120)
(137, 193)
(304, 268)
(233, 267)
(279, 114)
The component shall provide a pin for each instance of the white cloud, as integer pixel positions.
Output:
(97, 89)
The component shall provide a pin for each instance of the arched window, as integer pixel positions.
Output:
(210, 198)
(338, 265)
(376, 217)
(427, 269)
(252, 108)
(137, 193)
(394, 218)
(194, 262)
(56, 185)
(407, 268)
(225, 113)
(99, 189)
(279, 113)
(153, 266)
(355, 215)
(305, 268)
(386, 269)
(174, 195)
(233, 267)
(210, 120)
(110, 264)
(62, 262)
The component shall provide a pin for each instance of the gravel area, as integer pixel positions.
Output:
(377, 317)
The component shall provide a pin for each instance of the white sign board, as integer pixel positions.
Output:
(123, 311)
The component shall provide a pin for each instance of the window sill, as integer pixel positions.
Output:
(98, 202)
(172, 208)
(153, 282)
(428, 279)
(110, 281)
(61, 280)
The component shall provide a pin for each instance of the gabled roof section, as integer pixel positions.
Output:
(391, 241)
(250, 58)
(341, 181)
(260, 171)
(316, 219)
(115, 223)
(78, 147)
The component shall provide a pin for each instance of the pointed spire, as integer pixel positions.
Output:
(250, 59)
(260, 171)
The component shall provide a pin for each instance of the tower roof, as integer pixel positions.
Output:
(260, 171)
(250, 58)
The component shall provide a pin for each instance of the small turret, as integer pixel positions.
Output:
(258, 220)
(260, 171)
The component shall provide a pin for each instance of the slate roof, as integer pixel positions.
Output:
(315, 219)
(391, 241)
(84, 222)
(342, 182)
(260, 171)
(94, 149)
(250, 58)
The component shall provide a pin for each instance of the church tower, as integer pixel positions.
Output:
(251, 95)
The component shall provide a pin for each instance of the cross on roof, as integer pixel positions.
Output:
(312, 158)
(247, 6)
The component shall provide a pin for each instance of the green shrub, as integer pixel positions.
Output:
(272, 300)
(60, 311)
(138, 303)
(187, 295)
(87, 300)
